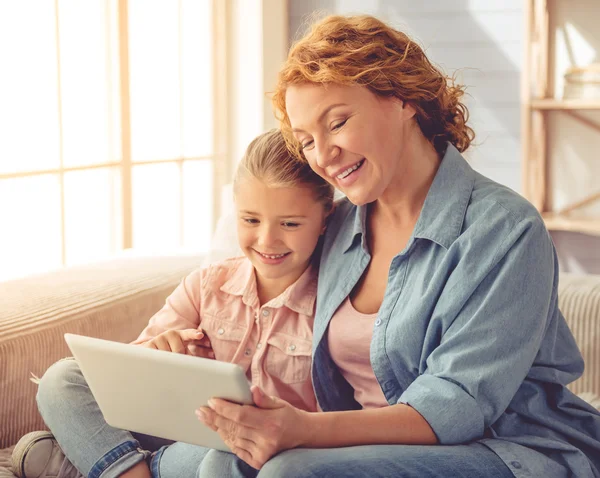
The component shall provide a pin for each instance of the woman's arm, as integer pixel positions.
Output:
(397, 424)
(256, 433)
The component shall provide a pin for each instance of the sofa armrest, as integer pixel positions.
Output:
(579, 301)
(112, 300)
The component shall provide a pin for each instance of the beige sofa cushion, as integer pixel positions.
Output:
(111, 300)
(579, 301)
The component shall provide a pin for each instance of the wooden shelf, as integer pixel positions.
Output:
(554, 222)
(553, 104)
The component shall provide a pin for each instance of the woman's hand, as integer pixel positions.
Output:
(256, 433)
(188, 341)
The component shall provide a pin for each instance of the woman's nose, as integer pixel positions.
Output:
(327, 154)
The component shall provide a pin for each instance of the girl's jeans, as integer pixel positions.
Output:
(95, 448)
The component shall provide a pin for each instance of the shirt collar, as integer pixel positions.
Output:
(445, 206)
(351, 230)
(443, 211)
(299, 297)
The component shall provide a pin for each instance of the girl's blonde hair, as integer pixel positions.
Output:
(268, 159)
(362, 50)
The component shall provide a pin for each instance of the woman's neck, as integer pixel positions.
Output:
(402, 201)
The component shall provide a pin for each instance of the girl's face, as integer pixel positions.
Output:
(278, 228)
(352, 138)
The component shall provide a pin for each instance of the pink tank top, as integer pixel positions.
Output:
(349, 338)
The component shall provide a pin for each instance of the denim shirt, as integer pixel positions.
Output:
(469, 332)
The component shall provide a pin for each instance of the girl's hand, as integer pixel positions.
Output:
(256, 433)
(188, 341)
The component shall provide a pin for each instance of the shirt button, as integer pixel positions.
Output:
(516, 464)
(292, 348)
(248, 352)
(259, 345)
(265, 312)
(377, 322)
(220, 331)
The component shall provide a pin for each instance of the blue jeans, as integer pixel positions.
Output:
(385, 461)
(95, 448)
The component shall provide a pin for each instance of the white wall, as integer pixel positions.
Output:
(482, 42)
(258, 39)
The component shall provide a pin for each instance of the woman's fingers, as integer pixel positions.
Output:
(238, 438)
(247, 450)
(246, 415)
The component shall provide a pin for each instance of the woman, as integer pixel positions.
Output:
(437, 323)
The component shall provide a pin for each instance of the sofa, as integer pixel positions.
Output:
(115, 299)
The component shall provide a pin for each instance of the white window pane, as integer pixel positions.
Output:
(28, 87)
(196, 78)
(86, 64)
(92, 214)
(156, 204)
(197, 204)
(30, 238)
(154, 79)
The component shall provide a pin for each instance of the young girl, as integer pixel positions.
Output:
(256, 310)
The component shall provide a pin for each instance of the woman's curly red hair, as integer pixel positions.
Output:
(362, 50)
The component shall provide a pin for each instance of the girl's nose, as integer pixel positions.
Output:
(268, 236)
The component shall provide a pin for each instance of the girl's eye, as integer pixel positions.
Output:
(339, 125)
(250, 220)
(290, 224)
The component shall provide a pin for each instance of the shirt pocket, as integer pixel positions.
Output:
(225, 336)
(288, 358)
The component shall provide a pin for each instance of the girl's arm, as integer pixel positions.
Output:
(181, 310)
(176, 327)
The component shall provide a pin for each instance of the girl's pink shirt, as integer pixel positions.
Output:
(272, 342)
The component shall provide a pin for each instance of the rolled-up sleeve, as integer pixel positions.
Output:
(489, 345)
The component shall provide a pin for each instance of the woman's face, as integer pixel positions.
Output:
(352, 138)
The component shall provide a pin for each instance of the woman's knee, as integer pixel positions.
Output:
(294, 463)
(55, 382)
(224, 465)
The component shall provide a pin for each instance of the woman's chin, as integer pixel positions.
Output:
(358, 198)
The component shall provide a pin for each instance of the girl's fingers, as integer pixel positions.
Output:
(200, 351)
(176, 344)
(189, 335)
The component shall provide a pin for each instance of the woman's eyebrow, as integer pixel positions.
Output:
(321, 116)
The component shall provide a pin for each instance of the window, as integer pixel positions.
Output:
(110, 124)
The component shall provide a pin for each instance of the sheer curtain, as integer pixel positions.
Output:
(107, 129)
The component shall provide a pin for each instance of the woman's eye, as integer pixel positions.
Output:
(339, 125)
(307, 144)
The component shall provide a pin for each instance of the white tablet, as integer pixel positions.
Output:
(155, 392)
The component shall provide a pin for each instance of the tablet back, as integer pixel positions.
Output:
(155, 392)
